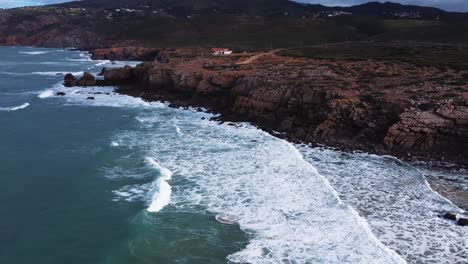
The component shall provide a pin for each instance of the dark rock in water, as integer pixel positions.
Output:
(69, 80)
(102, 72)
(91, 98)
(463, 221)
(87, 80)
(60, 93)
(58, 74)
(450, 216)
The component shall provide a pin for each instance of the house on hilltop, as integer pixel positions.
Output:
(220, 51)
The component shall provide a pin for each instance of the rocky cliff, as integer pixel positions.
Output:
(381, 107)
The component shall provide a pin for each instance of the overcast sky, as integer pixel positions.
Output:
(452, 5)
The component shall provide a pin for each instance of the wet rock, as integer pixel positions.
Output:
(102, 72)
(69, 80)
(117, 76)
(87, 80)
(91, 98)
(463, 221)
(60, 94)
(450, 216)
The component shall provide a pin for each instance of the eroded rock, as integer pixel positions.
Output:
(86, 80)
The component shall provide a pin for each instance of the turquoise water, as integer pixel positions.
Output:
(58, 205)
(119, 180)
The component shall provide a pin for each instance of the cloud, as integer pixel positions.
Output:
(451, 5)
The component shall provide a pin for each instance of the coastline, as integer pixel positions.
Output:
(134, 82)
(187, 99)
(314, 101)
(378, 188)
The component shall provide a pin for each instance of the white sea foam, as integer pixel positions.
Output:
(292, 213)
(161, 196)
(132, 193)
(396, 200)
(14, 108)
(48, 73)
(103, 96)
(38, 52)
(84, 57)
(166, 174)
(56, 73)
(79, 60)
(46, 94)
(103, 62)
(162, 193)
(114, 144)
(178, 130)
(262, 183)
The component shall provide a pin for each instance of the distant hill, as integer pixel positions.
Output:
(241, 24)
(187, 7)
(268, 8)
(388, 8)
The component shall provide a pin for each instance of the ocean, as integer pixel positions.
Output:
(115, 179)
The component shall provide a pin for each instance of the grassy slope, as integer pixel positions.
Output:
(423, 54)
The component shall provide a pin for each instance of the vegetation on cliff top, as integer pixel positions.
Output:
(422, 54)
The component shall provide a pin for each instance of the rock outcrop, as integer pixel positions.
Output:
(463, 221)
(69, 80)
(381, 107)
(86, 80)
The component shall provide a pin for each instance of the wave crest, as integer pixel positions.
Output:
(14, 108)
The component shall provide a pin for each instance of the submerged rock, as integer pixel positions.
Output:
(60, 93)
(450, 216)
(91, 98)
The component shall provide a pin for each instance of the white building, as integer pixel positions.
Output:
(221, 51)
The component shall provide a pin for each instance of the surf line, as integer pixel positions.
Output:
(163, 191)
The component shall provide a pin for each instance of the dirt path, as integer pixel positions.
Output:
(257, 56)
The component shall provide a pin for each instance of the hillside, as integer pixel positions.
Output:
(243, 25)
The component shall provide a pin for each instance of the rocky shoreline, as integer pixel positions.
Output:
(374, 106)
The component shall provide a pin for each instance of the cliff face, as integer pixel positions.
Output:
(381, 107)
(53, 28)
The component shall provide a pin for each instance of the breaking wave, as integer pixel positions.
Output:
(38, 52)
(262, 183)
(400, 207)
(162, 193)
(14, 108)
(46, 94)
(56, 73)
